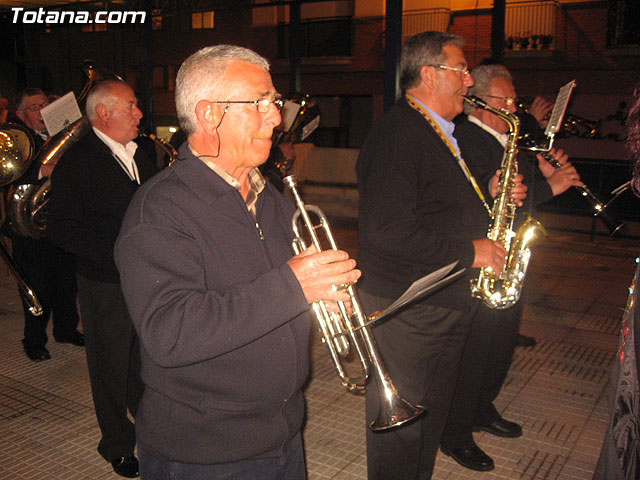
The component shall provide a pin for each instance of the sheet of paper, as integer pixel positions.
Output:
(61, 113)
(559, 109)
(422, 287)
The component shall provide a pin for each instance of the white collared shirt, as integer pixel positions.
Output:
(123, 154)
(501, 137)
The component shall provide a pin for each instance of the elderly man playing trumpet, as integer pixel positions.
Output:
(218, 301)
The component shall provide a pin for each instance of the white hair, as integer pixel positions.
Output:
(102, 93)
(201, 78)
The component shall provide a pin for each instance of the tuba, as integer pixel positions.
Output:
(343, 330)
(26, 206)
(500, 290)
(16, 154)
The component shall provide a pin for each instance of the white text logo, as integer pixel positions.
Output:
(82, 17)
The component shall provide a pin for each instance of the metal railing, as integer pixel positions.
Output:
(531, 25)
(416, 21)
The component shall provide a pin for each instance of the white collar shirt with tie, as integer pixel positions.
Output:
(123, 154)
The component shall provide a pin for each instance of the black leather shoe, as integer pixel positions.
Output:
(501, 428)
(76, 338)
(470, 456)
(37, 354)
(524, 341)
(126, 467)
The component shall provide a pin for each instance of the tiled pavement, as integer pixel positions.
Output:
(573, 304)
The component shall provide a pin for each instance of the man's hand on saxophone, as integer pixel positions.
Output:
(519, 191)
(318, 273)
(489, 253)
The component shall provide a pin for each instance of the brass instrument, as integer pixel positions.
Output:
(165, 146)
(16, 151)
(26, 207)
(16, 154)
(341, 331)
(571, 124)
(500, 290)
(559, 119)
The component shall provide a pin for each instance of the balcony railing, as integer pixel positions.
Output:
(416, 21)
(531, 25)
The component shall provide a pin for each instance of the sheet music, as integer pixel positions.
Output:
(423, 286)
(288, 114)
(559, 109)
(61, 113)
(309, 128)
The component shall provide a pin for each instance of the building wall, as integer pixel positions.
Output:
(604, 77)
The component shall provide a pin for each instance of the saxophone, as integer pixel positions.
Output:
(500, 290)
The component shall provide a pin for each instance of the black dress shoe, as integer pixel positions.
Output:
(76, 338)
(501, 428)
(524, 341)
(37, 354)
(126, 466)
(470, 456)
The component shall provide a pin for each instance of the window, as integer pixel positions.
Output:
(202, 20)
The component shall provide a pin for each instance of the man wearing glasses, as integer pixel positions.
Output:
(47, 269)
(218, 299)
(420, 209)
(492, 339)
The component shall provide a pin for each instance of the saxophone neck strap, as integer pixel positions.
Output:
(461, 163)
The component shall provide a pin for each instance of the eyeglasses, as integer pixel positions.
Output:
(463, 71)
(508, 100)
(36, 106)
(262, 105)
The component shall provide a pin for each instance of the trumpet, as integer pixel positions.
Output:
(342, 331)
(571, 124)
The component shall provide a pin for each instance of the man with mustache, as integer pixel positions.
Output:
(91, 188)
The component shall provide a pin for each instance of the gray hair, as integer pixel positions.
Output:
(201, 78)
(101, 93)
(423, 49)
(482, 77)
(22, 95)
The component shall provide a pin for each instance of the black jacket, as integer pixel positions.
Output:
(221, 318)
(417, 212)
(88, 199)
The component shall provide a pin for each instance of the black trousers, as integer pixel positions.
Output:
(50, 272)
(421, 347)
(113, 359)
(485, 363)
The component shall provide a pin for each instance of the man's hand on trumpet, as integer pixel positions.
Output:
(319, 272)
